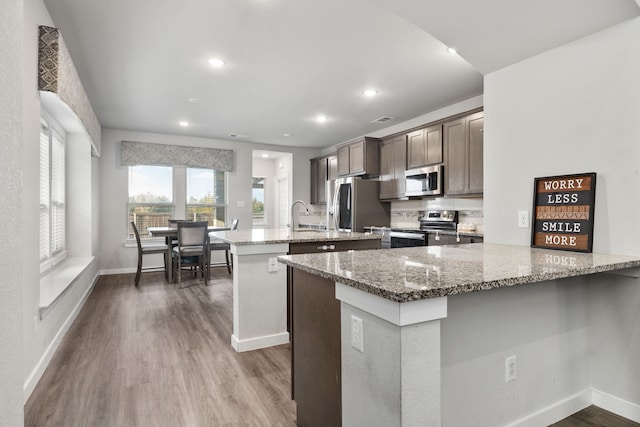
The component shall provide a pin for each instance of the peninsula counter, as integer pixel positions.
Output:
(419, 313)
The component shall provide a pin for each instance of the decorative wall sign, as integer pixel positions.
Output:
(563, 212)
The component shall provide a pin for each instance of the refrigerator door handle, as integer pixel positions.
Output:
(336, 204)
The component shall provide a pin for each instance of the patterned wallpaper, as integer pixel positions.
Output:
(57, 74)
(145, 153)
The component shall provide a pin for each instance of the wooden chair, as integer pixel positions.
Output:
(148, 250)
(192, 249)
(219, 245)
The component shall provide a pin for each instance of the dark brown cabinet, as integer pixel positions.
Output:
(451, 239)
(314, 326)
(393, 153)
(360, 158)
(321, 168)
(424, 147)
(463, 158)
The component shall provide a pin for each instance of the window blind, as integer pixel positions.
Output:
(57, 193)
(44, 191)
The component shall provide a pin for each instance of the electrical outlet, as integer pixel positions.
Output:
(510, 369)
(523, 219)
(273, 265)
(357, 333)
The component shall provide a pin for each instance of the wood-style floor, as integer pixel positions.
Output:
(593, 416)
(160, 356)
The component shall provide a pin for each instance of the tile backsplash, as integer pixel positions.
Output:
(406, 213)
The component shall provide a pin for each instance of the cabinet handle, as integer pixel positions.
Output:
(327, 247)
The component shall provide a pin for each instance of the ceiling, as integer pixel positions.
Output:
(144, 64)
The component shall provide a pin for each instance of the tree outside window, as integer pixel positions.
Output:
(259, 201)
(150, 197)
(205, 196)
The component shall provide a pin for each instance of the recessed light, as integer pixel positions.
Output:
(452, 50)
(265, 155)
(216, 62)
(195, 100)
(370, 93)
(184, 123)
(286, 135)
(321, 119)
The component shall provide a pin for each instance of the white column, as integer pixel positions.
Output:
(395, 381)
(259, 297)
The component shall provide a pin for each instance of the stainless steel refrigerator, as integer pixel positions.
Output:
(354, 204)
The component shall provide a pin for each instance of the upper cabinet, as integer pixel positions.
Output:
(393, 153)
(463, 147)
(424, 147)
(360, 158)
(322, 168)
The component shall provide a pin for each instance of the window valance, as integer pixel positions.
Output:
(144, 153)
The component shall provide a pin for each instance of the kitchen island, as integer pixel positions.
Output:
(260, 283)
(433, 349)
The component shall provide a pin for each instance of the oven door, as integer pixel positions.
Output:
(407, 239)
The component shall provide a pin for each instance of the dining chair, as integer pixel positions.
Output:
(219, 245)
(192, 249)
(148, 250)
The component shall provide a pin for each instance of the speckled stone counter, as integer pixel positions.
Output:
(409, 274)
(260, 236)
(410, 345)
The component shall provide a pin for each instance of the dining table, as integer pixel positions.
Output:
(171, 233)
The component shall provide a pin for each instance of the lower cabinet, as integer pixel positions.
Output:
(314, 328)
(451, 239)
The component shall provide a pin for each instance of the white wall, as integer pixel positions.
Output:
(114, 257)
(40, 337)
(570, 110)
(11, 135)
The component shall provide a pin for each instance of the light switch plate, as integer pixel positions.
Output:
(273, 265)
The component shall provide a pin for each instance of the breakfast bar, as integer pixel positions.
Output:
(418, 342)
(260, 283)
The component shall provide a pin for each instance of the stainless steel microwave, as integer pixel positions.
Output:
(425, 181)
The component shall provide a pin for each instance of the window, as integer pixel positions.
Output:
(52, 192)
(205, 196)
(258, 209)
(150, 197)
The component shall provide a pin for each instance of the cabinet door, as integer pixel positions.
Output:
(357, 157)
(433, 141)
(332, 168)
(343, 161)
(321, 182)
(387, 170)
(476, 146)
(455, 157)
(416, 149)
(400, 151)
(313, 190)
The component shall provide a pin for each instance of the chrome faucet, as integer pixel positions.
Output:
(294, 217)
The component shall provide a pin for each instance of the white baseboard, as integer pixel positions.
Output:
(259, 342)
(117, 271)
(555, 412)
(616, 405)
(36, 374)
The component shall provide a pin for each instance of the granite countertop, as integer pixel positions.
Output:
(408, 274)
(264, 236)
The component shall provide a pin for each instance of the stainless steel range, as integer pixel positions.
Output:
(429, 221)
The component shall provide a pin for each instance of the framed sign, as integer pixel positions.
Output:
(563, 212)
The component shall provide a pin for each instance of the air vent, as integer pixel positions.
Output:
(382, 119)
